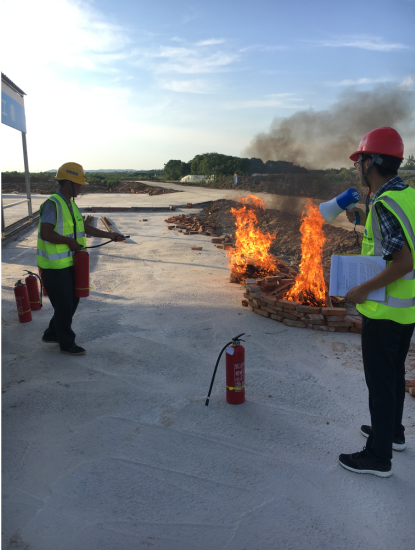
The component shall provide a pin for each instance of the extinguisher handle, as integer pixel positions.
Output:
(238, 337)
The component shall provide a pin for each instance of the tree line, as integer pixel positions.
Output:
(215, 164)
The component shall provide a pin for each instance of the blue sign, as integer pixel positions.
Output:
(12, 109)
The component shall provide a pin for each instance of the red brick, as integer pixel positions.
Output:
(342, 329)
(290, 323)
(245, 295)
(308, 309)
(216, 240)
(288, 304)
(357, 324)
(315, 317)
(273, 279)
(277, 317)
(262, 312)
(268, 299)
(324, 328)
(355, 330)
(244, 303)
(340, 323)
(293, 312)
(251, 307)
(197, 248)
(310, 326)
(315, 321)
(340, 311)
(219, 246)
(257, 302)
(288, 316)
(336, 318)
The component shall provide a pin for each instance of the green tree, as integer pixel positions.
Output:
(410, 163)
(215, 164)
(176, 169)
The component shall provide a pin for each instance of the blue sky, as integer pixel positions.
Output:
(132, 84)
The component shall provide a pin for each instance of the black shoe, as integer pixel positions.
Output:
(398, 442)
(364, 463)
(50, 340)
(74, 350)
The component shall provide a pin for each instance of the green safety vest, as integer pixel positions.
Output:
(59, 256)
(399, 305)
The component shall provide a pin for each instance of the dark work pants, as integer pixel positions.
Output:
(385, 345)
(59, 284)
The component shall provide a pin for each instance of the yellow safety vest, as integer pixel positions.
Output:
(399, 305)
(59, 256)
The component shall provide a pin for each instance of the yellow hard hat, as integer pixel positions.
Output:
(73, 172)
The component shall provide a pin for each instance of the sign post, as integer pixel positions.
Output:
(13, 115)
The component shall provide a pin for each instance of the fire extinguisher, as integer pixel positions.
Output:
(35, 300)
(235, 372)
(39, 270)
(81, 264)
(22, 302)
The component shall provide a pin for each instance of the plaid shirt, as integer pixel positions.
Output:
(393, 237)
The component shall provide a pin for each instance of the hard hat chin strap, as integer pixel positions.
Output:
(375, 158)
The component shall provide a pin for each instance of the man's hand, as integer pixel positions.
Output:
(73, 244)
(357, 295)
(116, 236)
(351, 216)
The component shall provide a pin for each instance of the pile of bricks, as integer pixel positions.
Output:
(189, 225)
(261, 301)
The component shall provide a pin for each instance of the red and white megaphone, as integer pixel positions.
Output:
(346, 201)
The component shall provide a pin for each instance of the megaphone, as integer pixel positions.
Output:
(346, 201)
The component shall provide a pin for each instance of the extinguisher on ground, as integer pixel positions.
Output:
(35, 299)
(22, 302)
(235, 372)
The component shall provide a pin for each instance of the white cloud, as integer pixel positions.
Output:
(408, 84)
(285, 101)
(364, 43)
(359, 82)
(184, 60)
(188, 86)
(210, 42)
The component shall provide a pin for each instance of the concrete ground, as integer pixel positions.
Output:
(116, 450)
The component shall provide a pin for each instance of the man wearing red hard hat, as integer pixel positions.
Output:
(387, 326)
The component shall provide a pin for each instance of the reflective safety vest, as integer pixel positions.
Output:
(59, 256)
(399, 305)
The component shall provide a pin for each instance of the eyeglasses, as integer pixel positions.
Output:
(356, 164)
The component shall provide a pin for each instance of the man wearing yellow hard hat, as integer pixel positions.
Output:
(62, 232)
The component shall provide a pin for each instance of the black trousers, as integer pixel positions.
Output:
(385, 345)
(59, 284)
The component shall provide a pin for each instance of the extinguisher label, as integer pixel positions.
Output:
(19, 302)
(239, 375)
(230, 350)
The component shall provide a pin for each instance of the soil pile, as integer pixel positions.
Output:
(287, 244)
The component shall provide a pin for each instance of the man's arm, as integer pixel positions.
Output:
(94, 232)
(401, 265)
(47, 233)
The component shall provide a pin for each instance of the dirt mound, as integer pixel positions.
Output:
(287, 243)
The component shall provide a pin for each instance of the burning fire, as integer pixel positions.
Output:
(309, 287)
(252, 246)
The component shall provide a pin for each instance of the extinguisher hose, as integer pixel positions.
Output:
(214, 372)
(41, 285)
(102, 244)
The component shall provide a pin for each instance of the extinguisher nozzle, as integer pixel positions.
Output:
(207, 401)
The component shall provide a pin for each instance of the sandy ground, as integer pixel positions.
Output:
(116, 450)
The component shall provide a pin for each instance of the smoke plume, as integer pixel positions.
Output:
(326, 139)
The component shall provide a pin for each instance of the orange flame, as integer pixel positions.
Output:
(309, 287)
(252, 246)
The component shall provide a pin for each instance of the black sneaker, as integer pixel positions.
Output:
(364, 463)
(74, 350)
(50, 339)
(398, 442)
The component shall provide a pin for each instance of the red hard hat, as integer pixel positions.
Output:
(383, 141)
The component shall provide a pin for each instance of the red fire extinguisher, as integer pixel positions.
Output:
(81, 264)
(35, 300)
(22, 302)
(39, 270)
(235, 372)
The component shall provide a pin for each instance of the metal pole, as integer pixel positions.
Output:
(2, 219)
(27, 176)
